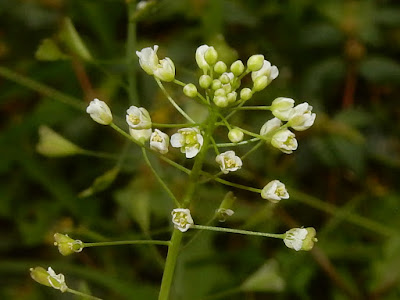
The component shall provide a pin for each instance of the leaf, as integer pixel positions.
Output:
(381, 70)
(265, 279)
(48, 50)
(70, 36)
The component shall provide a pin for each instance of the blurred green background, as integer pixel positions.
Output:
(340, 56)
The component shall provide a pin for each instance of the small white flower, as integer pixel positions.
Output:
(300, 117)
(223, 214)
(300, 238)
(274, 191)
(189, 140)
(159, 141)
(99, 112)
(228, 162)
(60, 280)
(148, 59)
(266, 70)
(165, 70)
(140, 135)
(138, 118)
(270, 126)
(281, 107)
(182, 219)
(284, 140)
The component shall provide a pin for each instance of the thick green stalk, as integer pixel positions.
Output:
(176, 238)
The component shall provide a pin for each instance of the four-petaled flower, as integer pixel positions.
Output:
(300, 117)
(138, 118)
(182, 219)
(99, 112)
(189, 140)
(284, 140)
(274, 191)
(267, 70)
(228, 162)
(159, 141)
(300, 238)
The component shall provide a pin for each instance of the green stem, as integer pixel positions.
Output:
(82, 294)
(177, 107)
(238, 231)
(252, 150)
(162, 183)
(137, 242)
(130, 53)
(253, 108)
(176, 238)
(159, 125)
(98, 154)
(41, 88)
(221, 145)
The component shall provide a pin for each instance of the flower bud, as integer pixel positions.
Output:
(274, 191)
(220, 67)
(235, 135)
(284, 140)
(221, 101)
(260, 83)
(165, 70)
(140, 135)
(54, 145)
(281, 107)
(231, 97)
(270, 127)
(255, 62)
(148, 59)
(211, 56)
(205, 81)
(216, 84)
(220, 92)
(224, 78)
(246, 94)
(237, 68)
(66, 245)
(99, 112)
(49, 278)
(159, 141)
(300, 238)
(190, 90)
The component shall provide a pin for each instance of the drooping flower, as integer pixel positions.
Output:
(165, 70)
(148, 59)
(300, 238)
(182, 219)
(300, 117)
(49, 278)
(99, 112)
(270, 126)
(159, 141)
(189, 140)
(281, 107)
(274, 191)
(138, 118)
(228, 161)
(66, 245)
(284, 140)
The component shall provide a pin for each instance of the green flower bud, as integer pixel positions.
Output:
(237, 68)
(205, 81)
(255, 62)
(211, 56)
(235, 135)
(220, 67)
(190, 90)
(224, 78)
(220, 92)
(216, 84)
(260, 83)
(66, 245)
(231, 97)
(221, 101)
(246, 94)
(49, 278)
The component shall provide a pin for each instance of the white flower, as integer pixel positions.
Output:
(300, 117)
(165, 70)
(140, 135)
(270, 126)
(159, 141)
(189, 140)
(148, 59)
(266, 70)
(99, 112)
(223, 213)
(274, 191)
(60, 280)
(300, 238)
(138, 118)
(228, 162)
(281, 107)
(202, 57)
(182, 219)
(284, 140)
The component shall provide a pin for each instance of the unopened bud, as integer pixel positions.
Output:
(190, 90)
(220, 67)
(260, 83)
(235, 135)
(246, 94)
(255, 62)
(205, 81)
(211, 56)
(237, 68)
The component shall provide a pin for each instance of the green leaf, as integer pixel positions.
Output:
(265, 279)
(70, 36)
(48, 50)
(381, 70)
